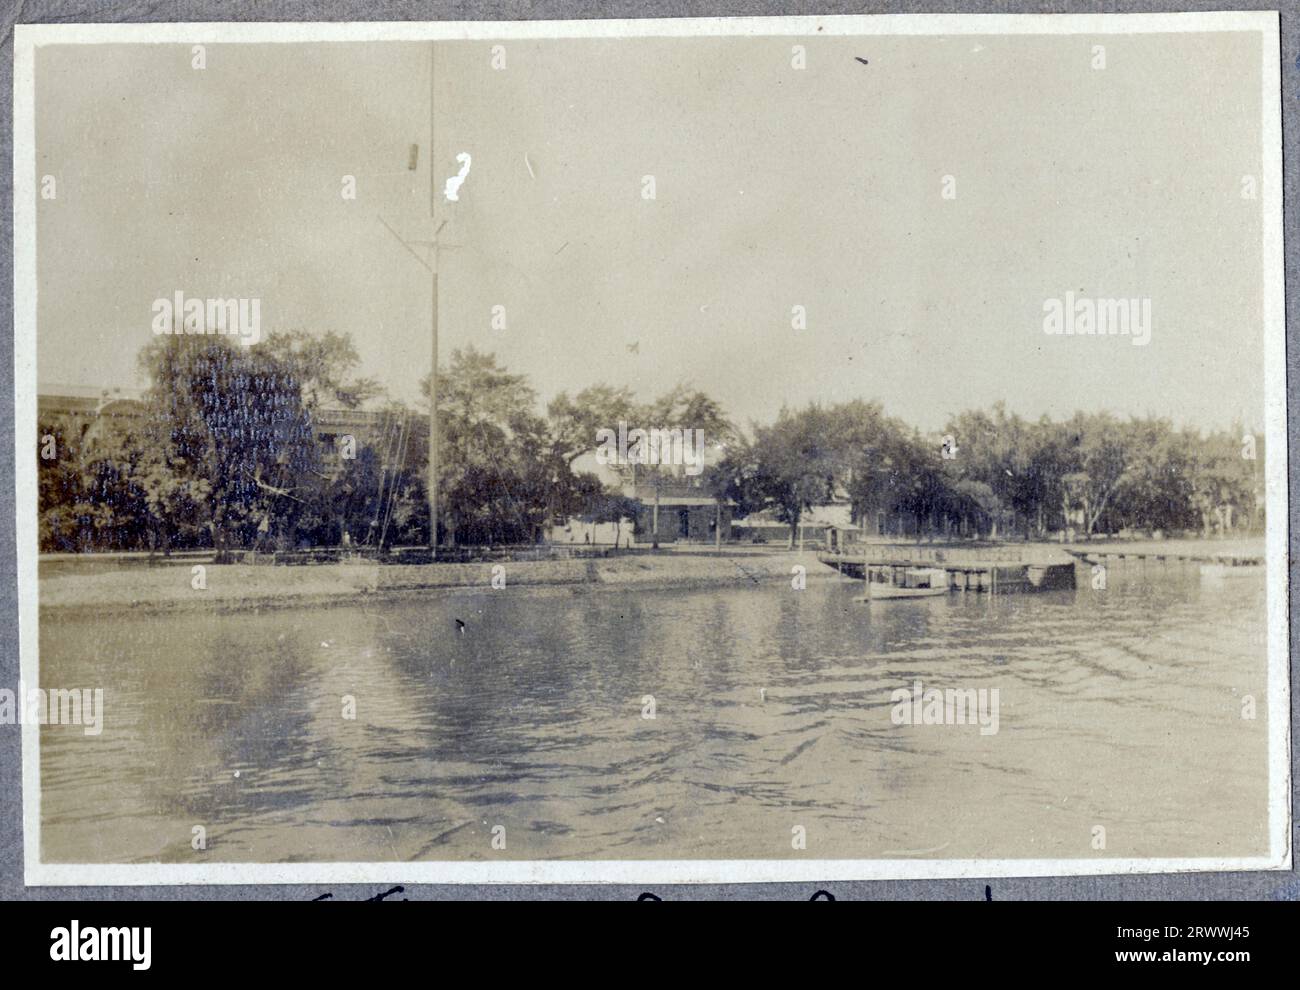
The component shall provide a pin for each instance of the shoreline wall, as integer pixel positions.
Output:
(239, 586)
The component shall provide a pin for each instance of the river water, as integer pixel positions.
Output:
(772, 709)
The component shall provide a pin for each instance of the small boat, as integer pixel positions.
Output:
(915, 582)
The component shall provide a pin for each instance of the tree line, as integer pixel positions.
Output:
(225, 452)
(992, 474)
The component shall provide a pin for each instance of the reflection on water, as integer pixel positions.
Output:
(1119, 708)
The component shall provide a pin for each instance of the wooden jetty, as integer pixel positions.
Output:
(979, 569)
(1088, 555)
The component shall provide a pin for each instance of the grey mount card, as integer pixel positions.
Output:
(758, 449)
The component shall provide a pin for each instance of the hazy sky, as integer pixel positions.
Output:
(774, 188)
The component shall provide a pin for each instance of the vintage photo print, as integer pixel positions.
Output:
(655, 451)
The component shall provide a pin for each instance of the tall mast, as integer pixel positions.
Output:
(432, 482)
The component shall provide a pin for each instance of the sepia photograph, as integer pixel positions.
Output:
(655, 451)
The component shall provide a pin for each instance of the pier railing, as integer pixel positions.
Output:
(946, 555)
(952, 557)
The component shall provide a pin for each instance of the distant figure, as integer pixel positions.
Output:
(586, 537)
(460, 627)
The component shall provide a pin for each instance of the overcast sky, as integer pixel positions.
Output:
(774, 188)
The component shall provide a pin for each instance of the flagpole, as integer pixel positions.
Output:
(432, 481)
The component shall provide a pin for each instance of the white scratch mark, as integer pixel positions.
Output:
(529, 166)
(451, 189)
(915, 852)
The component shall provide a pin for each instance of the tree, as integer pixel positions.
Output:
(919, 480)
(227, 422)
(1156, 491)
(497, 472)
(1011, 459)
(599, 505)
(971, 504)
(787, 469)
(1219, 480)
(883, 458)
(99, 488)
(686, 408)
(1098, 453)
(322, 365)
(575, 421)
